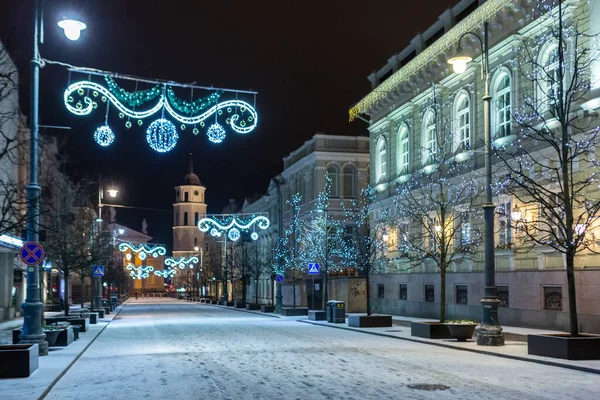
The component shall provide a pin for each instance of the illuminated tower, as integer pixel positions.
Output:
(188, 208)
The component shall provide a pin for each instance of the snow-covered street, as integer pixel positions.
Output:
(172, 349)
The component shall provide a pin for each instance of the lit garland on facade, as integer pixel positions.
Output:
(430, 55)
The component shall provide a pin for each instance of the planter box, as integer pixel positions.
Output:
(369, 321)
(267, 308)
(430, 330)
(94, 318)
(227, 303)
(51, 337)
(214, 302)
(239, 304)
(100, 313)
(294, 312)
(317, 315)
(252, 306)
(585, 347)
(65, 337)
(18, 360)
(461, 332)
(84, 323)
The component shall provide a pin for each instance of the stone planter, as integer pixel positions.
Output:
(65, 337)
(461, 332)
(430, 330)
(239, 304)
(18, 360)
(584, 347)
(267, 308)
(228, 303)
(369, 321)
(51, 337)
(294, 312)
(317, 315)
(252, 306)
(214, 302)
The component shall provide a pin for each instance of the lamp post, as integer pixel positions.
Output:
(490, 333)
(112, 192)
(279, 181)
(32, 331)
(325, 270)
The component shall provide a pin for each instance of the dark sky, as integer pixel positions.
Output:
(307, 59)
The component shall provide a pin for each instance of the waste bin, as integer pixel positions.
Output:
(338, 312)
(328, 308)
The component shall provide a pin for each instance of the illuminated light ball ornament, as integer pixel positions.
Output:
(104, 136)
(233, 234)
(162, 135)
(142, 255)
(254, 236)
(216, 133)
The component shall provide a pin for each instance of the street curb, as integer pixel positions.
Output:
(242, 310)
(449, 346)
(59, 377)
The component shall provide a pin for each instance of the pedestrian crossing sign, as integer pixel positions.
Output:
(98, 270)
(313, 268)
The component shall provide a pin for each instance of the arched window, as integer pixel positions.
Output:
(333, 174)
(185, 219)
(549, 76)
(463, 122)
(403, 155)
(502, 98)
(381, 161)
(429, 138)
(196, 218)
(349, 181)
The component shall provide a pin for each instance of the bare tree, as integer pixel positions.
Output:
(552, 170)
(258, 264)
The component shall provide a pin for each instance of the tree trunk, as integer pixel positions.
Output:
(256, 292)
(368, 282)
(66, 305)
(443, 295)
(573, 319)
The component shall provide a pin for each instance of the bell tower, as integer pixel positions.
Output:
(188, 208)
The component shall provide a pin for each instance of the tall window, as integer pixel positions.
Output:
(186, 196)
(185, 218)
(349, 181)
(332, 171)
(196, 218)
(502, 97)
(463, 125)
(504, 224)
(549, 79)
(465, 229)
(429, 138)
(381, 160)
(403, 151)
(434, 231)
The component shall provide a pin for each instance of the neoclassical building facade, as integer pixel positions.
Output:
(416, 97)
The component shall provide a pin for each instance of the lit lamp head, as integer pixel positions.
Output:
(516, 213)
(196, 248)
(121, 231)
(72, 28)
(460, 60)
(113, 192)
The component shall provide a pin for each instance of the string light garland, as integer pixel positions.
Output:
(132, 99)
(144, 248)
(162, 135)
(193, 107)
(234, 225)
(181, 262)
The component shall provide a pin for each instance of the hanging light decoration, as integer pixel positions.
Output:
(104, 136)
(162, 135)
(216, 133)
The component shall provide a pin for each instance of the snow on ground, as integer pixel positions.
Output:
(172, 349)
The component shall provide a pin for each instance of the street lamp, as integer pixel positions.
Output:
(112, 192)
(72, 28)
(32, 331)
(490, 333)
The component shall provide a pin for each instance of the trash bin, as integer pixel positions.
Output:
(328, 308)
(338, 312)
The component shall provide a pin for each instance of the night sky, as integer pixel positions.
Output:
(307, 59)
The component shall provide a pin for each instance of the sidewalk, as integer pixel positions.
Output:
(513, 349)
(53, 366)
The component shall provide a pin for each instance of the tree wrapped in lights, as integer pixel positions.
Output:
(289, 251)
(552, 168)
(365, 246)
(258, 263)
(437, 208)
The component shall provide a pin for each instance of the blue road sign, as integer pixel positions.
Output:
(313, 269)
(32, 253)
(98, 270)
(279, 278)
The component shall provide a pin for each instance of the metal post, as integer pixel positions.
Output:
(279, 294)
(225, 295)
(32, 331)
(326, 281)
(490, 333)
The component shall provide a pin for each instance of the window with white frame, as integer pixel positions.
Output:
(381, 160)
(502, 96)
(403, 238)
(434, 229)
(465, 230)
(349, 181)
(549, 76)
(504, 224)
(332, 172)
(463, 123)
(403, 150)
(429, 137)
